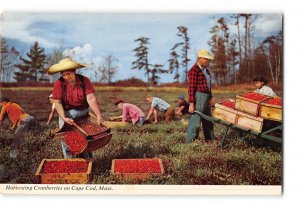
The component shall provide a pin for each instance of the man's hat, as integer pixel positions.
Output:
(205, 54)
(64, 65)
(181, 96)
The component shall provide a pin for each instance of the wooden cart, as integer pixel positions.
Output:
(265, 134)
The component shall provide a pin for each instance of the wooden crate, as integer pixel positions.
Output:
(225, 113)
(270, 112)
(113, 124)
(95, 140)
(63, 178)
(135, 175)
(247, 105)
(249, 121)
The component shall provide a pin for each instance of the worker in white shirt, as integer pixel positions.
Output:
(261, 87)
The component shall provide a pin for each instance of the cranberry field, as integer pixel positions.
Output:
(245, 162)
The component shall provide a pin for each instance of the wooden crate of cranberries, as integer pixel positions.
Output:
(137, 169)
(249, 102)
(64, 171)
(271, 109)
(225, 111)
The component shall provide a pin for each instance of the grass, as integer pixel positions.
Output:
(243, 163)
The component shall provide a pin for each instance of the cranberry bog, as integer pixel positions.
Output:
(244, 163)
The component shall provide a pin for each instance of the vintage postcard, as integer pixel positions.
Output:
(141, 103)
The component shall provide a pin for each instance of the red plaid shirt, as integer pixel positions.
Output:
(197, 82)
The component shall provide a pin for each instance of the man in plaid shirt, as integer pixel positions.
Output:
(199, 82)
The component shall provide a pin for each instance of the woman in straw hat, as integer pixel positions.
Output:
(73, 94)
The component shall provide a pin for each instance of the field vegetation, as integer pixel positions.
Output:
(246, 162)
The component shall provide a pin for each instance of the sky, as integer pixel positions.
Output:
(95, 35)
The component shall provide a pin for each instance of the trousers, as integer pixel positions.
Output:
(25, 124)
(202, 104)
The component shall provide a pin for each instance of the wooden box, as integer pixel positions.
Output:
(270, 111)
(225, 113)
(113, 124)
(98, 136)
(249, 121)
(133, 173)
(248, 105)
(63, 178)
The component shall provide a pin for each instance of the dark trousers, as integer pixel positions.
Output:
(202, 104)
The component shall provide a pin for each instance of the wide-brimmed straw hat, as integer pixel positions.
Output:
(64, 65)
(205, 54)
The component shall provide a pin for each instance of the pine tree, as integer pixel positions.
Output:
(157, 69)
(33, 67)
(185, 46)
(174, 65)
(141, 53)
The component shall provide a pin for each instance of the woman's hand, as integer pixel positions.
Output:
(100, 120)
(69, 121)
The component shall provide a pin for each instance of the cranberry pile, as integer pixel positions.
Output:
(275, 101)
(75, 141)
(229, 104)
(90, 128)
(137, 166)
(65, 167)
(255, 96)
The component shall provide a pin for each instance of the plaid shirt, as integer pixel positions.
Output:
(197, 82)
(160, 104)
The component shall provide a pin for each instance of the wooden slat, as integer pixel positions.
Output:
(250, 122)
(246, 106)
(111, 124)
(225, 115)
(271, 112)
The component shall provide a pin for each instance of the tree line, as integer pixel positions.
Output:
(34, 65)
(238, 57)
